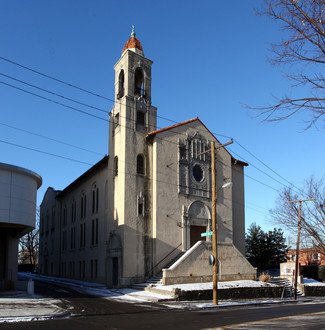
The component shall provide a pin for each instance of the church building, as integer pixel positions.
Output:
(141, 210)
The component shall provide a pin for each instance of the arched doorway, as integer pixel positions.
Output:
(113, 261)
(199, 220)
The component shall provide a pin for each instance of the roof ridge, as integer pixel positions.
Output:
(172, 126)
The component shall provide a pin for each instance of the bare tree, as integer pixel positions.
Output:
(285, 215)
(303, 47)
(29, 245)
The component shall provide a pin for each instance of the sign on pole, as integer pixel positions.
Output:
(208, 233)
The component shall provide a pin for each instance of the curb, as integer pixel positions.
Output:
(14, 319)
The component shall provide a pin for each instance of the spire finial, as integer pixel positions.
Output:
(133, 32)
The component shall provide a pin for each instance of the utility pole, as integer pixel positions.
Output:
(214, 218)
(298, 242)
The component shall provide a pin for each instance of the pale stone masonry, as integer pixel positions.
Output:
(147, 203)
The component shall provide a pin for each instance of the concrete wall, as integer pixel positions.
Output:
(312, 291)
(230, 293)
(194, 266)
(18, 189)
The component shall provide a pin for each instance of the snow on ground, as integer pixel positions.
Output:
(19, 306)
(312, 282)
(209, 285)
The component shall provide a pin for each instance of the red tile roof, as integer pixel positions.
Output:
(154, 133)
(133, 42)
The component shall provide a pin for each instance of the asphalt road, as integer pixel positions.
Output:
(89, 312)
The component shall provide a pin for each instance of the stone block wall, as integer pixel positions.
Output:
(230, 293)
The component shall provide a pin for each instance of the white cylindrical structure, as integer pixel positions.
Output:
(18, 191)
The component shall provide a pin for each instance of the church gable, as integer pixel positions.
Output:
(192, 139)
(194, 167)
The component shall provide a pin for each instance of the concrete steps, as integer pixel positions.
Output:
(157, 279)
(288, 289)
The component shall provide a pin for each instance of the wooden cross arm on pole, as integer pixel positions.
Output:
(302, 200)
(217, 147)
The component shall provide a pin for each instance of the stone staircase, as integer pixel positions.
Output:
(288, 289)
(157, 279)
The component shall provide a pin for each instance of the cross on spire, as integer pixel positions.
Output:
(133, 32)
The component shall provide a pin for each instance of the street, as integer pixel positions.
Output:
(90, 312)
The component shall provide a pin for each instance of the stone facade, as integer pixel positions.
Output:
(135, 211)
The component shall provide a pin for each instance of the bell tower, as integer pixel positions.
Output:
(131, 118)
(133, 87)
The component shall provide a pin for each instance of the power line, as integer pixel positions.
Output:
(268, 167)
(75, 109)
(124, 126)
(55, 79)
(98, 95)
(71, 85)
(83, 112)
(109, 99)
(82, 89)
(75, 101)
(257, 168)
(47, 91)
(132, 174)
(51, 139)
(82, 162)
(45, 152)
(50, 100)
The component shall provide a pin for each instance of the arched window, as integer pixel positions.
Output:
(65, 215)
(73, 211)
(140, 164)
(83, 203)
(95, 199)
(120, 84)
(138, 82)
(115, 166)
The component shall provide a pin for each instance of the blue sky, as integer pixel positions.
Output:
(210, 58)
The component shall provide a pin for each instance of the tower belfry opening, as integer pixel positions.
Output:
(121, 84)
(138, 83)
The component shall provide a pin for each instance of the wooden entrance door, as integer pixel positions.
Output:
(195, 234)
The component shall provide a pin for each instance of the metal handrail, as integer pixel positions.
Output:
(147, 274)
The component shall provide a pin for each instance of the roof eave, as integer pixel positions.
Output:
(103, 162)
